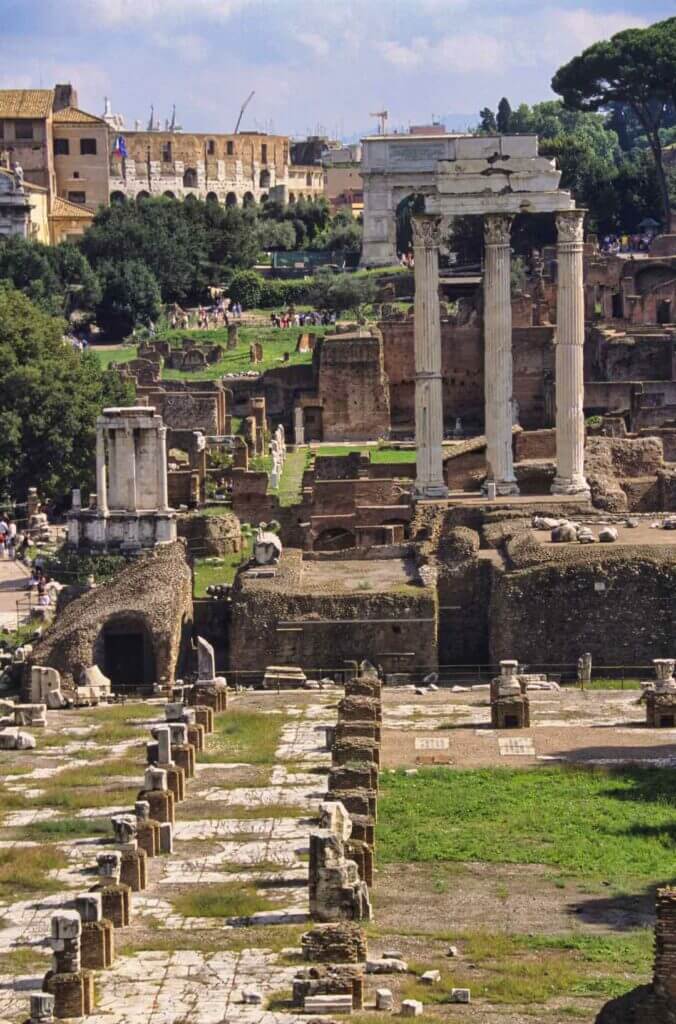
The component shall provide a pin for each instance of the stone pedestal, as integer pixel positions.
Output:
(660, 709)
(204, 716)
(134, 869)
(570, 478)
(97, 945)
(429, 412)
(498, 354)
(73, 993)
(161, 804)
(115, 903)
(196, 737)
(510, 712)
(184, 756)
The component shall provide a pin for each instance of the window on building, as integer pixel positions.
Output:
(2, 129)
(264, 153)
(211, 147)
(77, 197)
(230, 147)
(87, 147)
(166, 152)
(23, 130)
(76, 174)
(61, 147)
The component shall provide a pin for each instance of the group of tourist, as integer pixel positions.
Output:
(205, 317)
(8, 537)
(290, 318)
(613, 244)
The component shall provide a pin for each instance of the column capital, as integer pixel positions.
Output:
(497, 228)
(570, 226)
(426, 230)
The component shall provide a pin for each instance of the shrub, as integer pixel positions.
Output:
(246, 287)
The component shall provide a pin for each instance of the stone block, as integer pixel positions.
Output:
(328, 1004)
(384, 999)
(411, 1008)
(116, 904)
(166, 837)
(134, 870)
(460, 995)
(97, 945)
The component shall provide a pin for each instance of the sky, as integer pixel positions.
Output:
(315, 66)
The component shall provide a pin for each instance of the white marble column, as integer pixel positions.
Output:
(498, 353)
(126, 439)
(101, 482)
(162, 472)
(570, 477)
(429, 412)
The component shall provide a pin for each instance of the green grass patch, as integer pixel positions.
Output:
(227, 899)
(61, 829)
(291, 481)
(588, 823)
(85, 797)
(212, 571)
(24, 869)
(25, 960)
(247, 736)
(276, 341)
(274, 938)
(119, 354)
(605, 683)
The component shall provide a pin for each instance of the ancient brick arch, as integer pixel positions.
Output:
(125, 651)
(231, 199)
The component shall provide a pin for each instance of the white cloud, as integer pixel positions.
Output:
(319, 46)
(188, 47)
(463, 52)
(120, 13)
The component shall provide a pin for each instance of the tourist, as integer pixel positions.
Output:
(11, 538)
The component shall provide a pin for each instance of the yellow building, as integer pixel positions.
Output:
(63, 156)
(23, 209)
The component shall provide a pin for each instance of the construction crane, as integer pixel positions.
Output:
(382, 120)
(246, 103)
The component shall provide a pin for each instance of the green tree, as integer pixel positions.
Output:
(274, 234)
(339, 293)
(130, 296)
(488, 125)
(246, 287)
(50, 396)
(59, 278)
(636, 68)
(343, 233)
(503, 120)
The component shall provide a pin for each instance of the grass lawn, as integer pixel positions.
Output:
(275, 341)
(119, 354)
(247, 736)
(377, 454)
(589, 824)
(211, 571)
(291, 482)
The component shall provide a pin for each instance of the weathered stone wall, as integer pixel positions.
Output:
(208, 536)
(278, 622)
(462, 351)
(353, 389)
(153, 593)
(619, 604)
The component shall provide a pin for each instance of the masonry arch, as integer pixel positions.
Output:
(264, 197)
(336, 538)
(190, 178)
(264, 179)
(142, 195)
(248, 199)
(212, 197)
(125, 652)
(292, 197)
(231, 199)
(118, 197)
(169, 194)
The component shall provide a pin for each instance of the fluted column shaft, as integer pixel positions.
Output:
(126, 438)
(162, 477)
(498, 353)
(101, 482)
(429, 412)
(570, 477)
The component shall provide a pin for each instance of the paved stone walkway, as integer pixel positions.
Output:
(13, 587)
(191, 986)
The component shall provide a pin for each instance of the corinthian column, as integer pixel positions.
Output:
(101, 482)
(498, 353)
(569, 356)
(429, 413)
